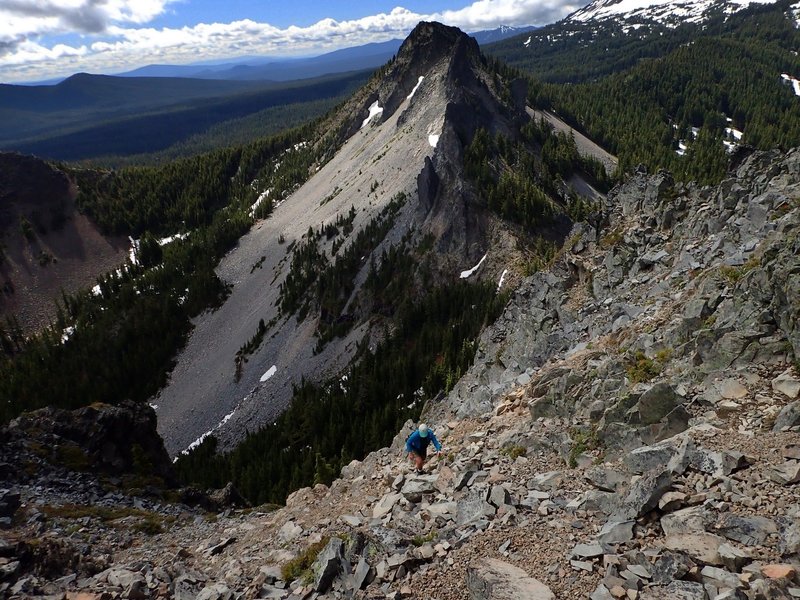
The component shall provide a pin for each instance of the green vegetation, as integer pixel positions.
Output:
(420, 540)
(301, 565)
(641, 368)
(143, 521)
(583, 440)
(733, 274)
(328, 425)
(644, 92)
(514, 452)
(523, 181)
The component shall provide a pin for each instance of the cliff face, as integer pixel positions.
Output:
(628, 430)
(46, 245)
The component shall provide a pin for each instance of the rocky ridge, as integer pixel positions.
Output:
(629, 430)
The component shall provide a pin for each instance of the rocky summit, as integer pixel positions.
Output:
(629, 429)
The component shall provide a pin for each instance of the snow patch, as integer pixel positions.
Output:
(666, 12)
(502, 279)
(682, 148)
(375, 109)
(67, 333)
(527, 42)
(153, 406)
(416, 87)
(133, 251)
(465, 274)
(172, 238)
(263, 196)
(270, 372)
(203, 437)
(734, 133)
(795, 83)
(433, 140)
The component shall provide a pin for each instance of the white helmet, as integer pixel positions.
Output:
(423, 430)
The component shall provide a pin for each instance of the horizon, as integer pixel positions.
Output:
(60, 38)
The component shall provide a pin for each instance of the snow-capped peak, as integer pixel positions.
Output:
(666, 12)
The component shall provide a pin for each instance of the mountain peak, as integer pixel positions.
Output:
(430, 41)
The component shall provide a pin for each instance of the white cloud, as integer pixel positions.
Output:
(120, 45)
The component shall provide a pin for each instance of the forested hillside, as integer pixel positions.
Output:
(640, 94)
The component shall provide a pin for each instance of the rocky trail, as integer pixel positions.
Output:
(629, 429)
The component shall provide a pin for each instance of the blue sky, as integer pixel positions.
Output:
(42, 39)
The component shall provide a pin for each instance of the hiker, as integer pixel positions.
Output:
(417, 445)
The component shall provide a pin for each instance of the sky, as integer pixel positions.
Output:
(44, 39)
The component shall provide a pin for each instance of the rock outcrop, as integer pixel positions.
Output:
(628, 430)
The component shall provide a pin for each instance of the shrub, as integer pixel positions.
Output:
(300, 566)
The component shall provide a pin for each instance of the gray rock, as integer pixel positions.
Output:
(361, 574)
(733, 558)
(328, 565)
(657, 402)
(217, 591)
(473, 507)
(588, 550)
(123, 577)
(616, 532)
(351, 520)
(788, 417)
(650, 458)
(750, 531)
(702, 547)
(720, 578)
(606, 479)
(787, 385)
(492, 579)
(644, 495)
(671, 566)
(676, 590)
(385, 505)
(415, 487)
(786, 474)
(499, 496)
(694, 519)
(601, 593)
(185, 587)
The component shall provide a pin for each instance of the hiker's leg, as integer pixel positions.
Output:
(418, 460)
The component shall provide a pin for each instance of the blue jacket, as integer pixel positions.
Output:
(417, 443)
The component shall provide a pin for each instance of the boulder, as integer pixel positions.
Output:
(720, 578)
(217, 591)
(676, 590)
(750, 531)
(788, 417)
(9, 502)
(499, 496)
(361, 576)
(328, 565)
(671, 566)
(786, 474)
(732, 557)
(385, 505)
(606, 479)
(702, 547)
(616, 532)
(415, 487)
(657, 402)
(694, 519)
(787, 384)
(473, 507)
(644, 495)
(492, 579)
